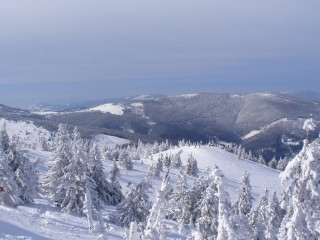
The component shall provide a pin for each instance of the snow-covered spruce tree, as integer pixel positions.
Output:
(259, 216)
(302, 181)
(274, 218)
(208, 213)
(154, 229)
(192, 166)
(243, 204)
(10, 190)
(273, 163)
(134, 207)
(4, 139)
(198, 192)
(177, 160)
(71, 191)
(108, 193)
(25, 173)
(261, 160)
(154, 171)
(125, 160)
(60, 159)
(282, 164)
(226, 228)
(181, 202)
(114, 173)
(167, 160)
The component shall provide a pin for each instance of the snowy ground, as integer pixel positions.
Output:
(27, 132)
(40, 220)
(102, 140)
(115, 109)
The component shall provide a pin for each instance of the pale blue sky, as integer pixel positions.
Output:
(74, 50)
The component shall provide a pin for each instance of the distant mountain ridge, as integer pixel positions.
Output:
(266, 123)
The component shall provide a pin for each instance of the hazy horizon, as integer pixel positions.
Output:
(71, 51)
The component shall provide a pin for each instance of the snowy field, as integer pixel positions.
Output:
(40, 220)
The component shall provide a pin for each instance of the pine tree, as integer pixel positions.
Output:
(208, 213)
(226, 228)
(282, 164)
(10, 190)
(60, 159)
(274, 218)
(177, 159)
(167, 160)
(198, 192)
(192, 166)
(154, 229)
(125, 160)
(302, 178)
(71, 191)
(4, 139)
(243, 204)
(107, 192)
(25, 173)
(181, 202)
(134, 207)
(259, 216)
(114, 174)
(261, 160)
(273, 163)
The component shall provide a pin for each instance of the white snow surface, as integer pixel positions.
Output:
(188, 95)
(46, 113)
(102, 140)
(261, 176)
(39, 220)
(27, 132)
(115, 109)
(256, 132)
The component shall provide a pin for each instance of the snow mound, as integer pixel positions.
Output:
(261, 176)
(102, 141)
(251, 134)
(27, 132)
(115, 109)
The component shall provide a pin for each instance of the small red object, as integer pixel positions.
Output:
(1, 189)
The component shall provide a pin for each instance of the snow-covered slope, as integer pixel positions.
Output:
(40, 220)
(233, 168)
(26, 132)
(102, 140)
(115, 109)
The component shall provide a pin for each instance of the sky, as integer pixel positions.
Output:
(67, 51)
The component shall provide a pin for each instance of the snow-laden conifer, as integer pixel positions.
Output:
(155, 229)
(134, 207)
(226, 228)
(125, 160)
(208, 213)
(192, 166)
(301, 179)
(4, 139)
(61, 157)
(181, 202)
(259, 216)
(243, 204)
(108, 193)
(274, 218)
(10, 190)
(25, 173)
